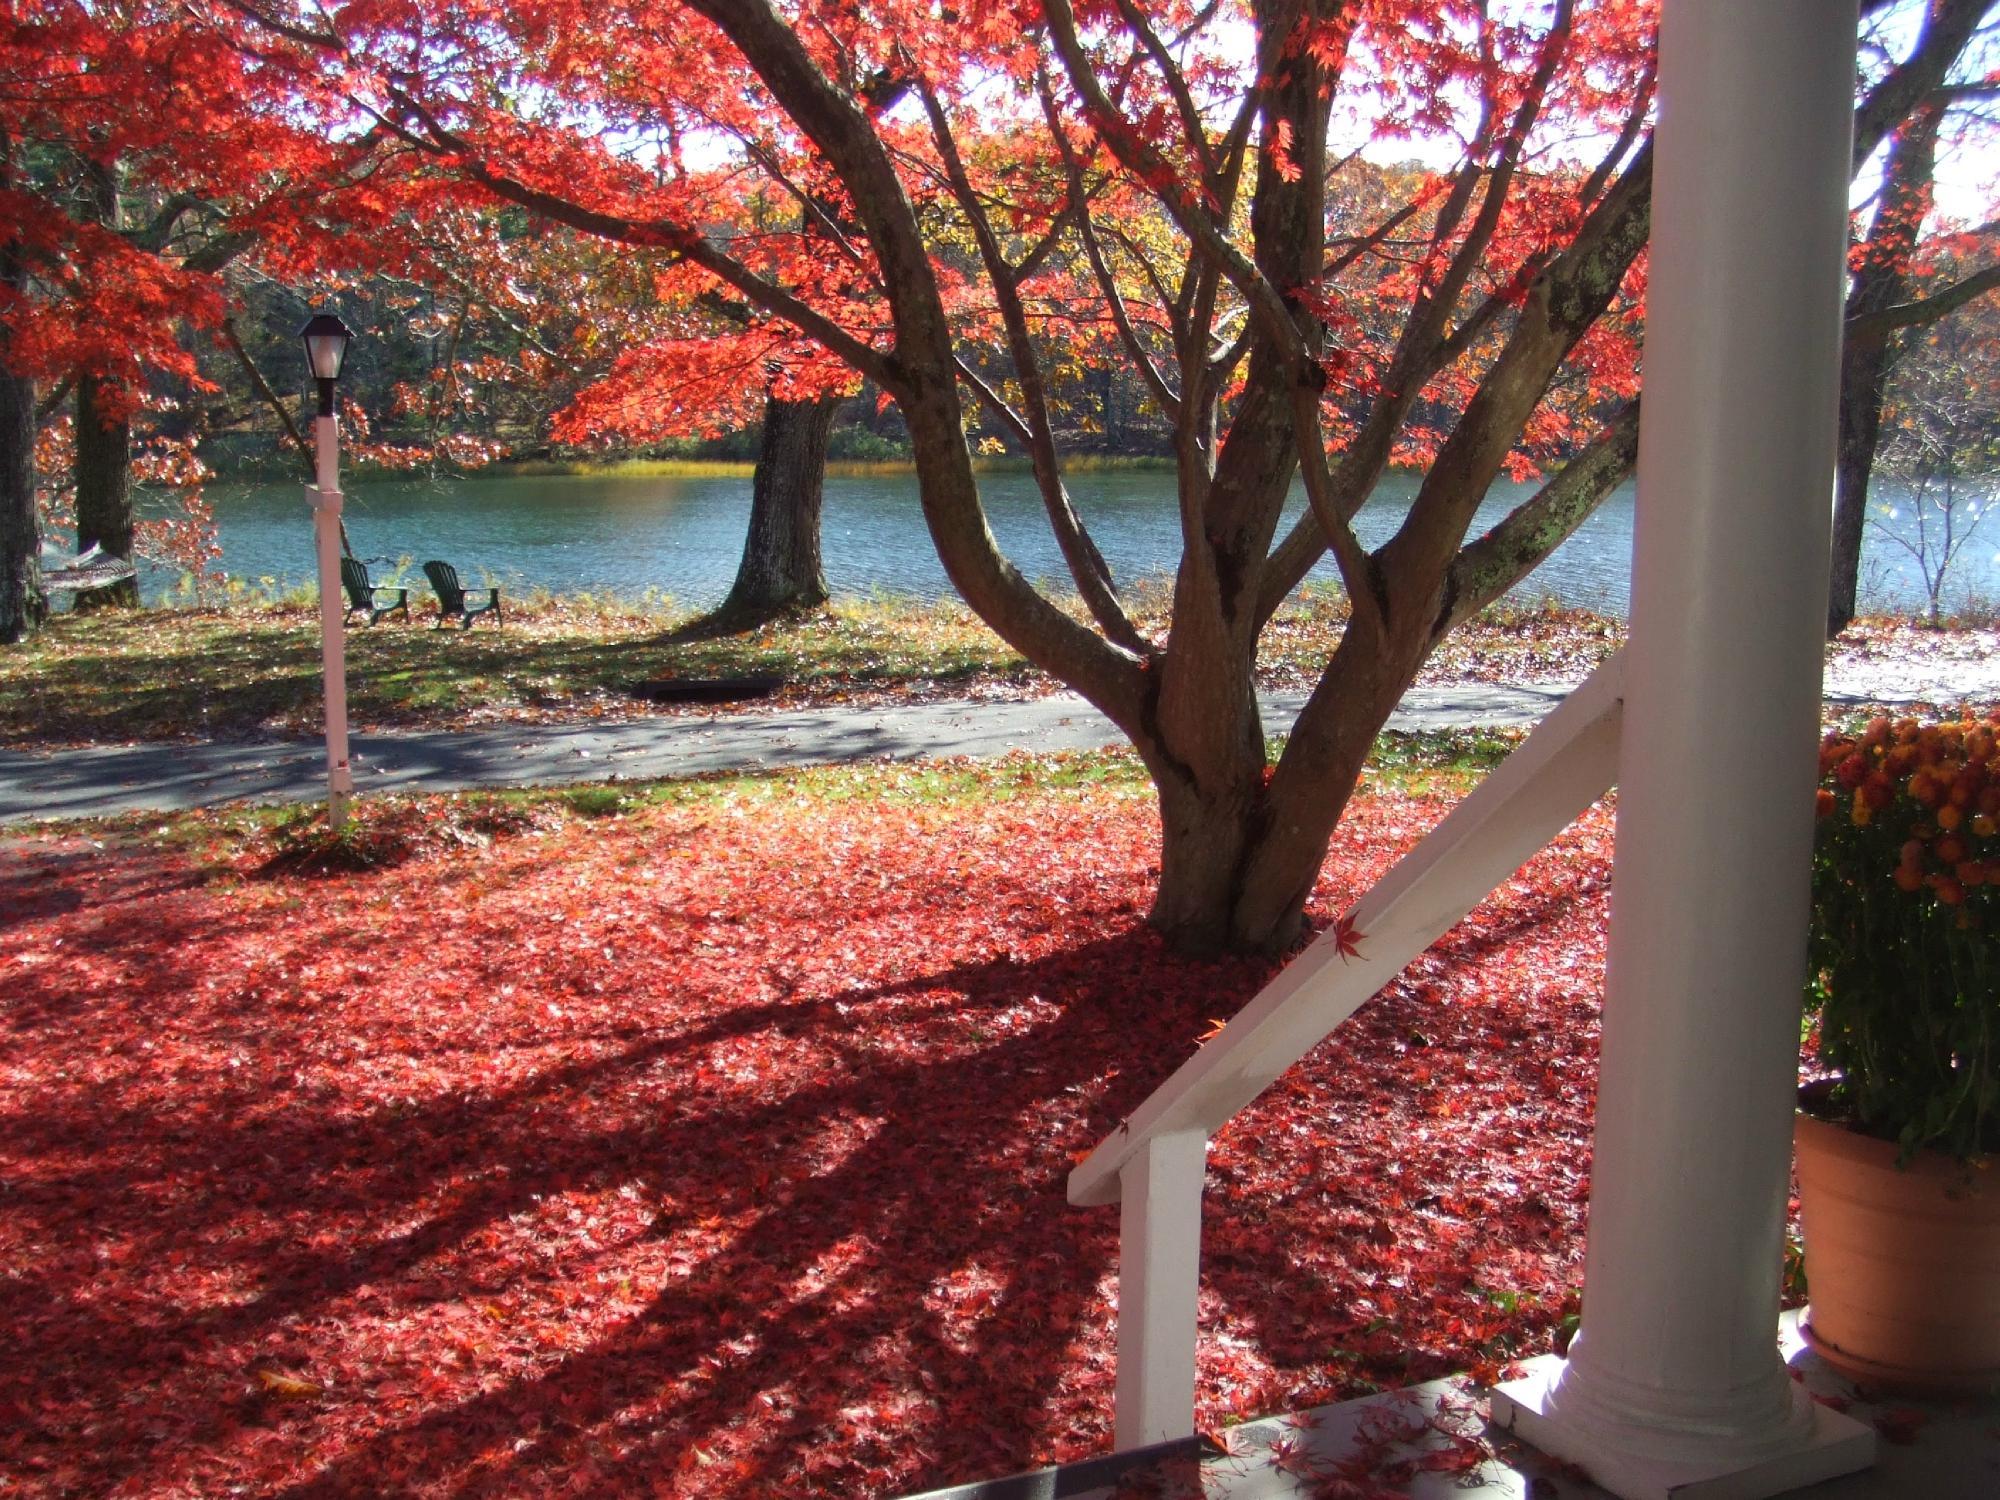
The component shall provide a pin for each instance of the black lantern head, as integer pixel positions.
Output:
(325, 339)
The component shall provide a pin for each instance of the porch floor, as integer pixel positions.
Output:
(1422, 1442)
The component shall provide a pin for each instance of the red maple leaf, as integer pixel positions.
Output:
(1347, 938)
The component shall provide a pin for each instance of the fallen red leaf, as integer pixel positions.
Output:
(719, 1151)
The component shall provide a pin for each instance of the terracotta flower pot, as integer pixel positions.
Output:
(1903, 1263)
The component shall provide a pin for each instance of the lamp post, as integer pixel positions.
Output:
(325, 338)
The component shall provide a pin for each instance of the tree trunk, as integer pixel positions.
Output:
(1203, 842)
(103, 491)
(1206, 733)
(1237, 866)
(1864, 379)
(103, 441)
(1203, 738)
(781, 570)
(1866, 364)
(23, 605)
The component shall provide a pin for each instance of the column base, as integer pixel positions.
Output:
(1829, 1445)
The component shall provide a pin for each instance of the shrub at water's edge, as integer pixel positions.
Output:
(1904, 976)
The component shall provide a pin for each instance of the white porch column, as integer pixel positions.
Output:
(1674, 1385)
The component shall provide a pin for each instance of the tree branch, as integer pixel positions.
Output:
(1487, 568)
(1176, 85)
(659, 233)
(1086, 564)
(924, 366)
(1139, 157)
(1364, 597)
(47, 406)
(1876, 326)
(1948, 27)
(269, 397)
(1121, 318)
(1561, 305)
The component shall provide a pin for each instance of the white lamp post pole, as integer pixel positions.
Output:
(332, 618)
(326, 346)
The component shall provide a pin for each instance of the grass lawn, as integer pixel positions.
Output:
(710, 1140)
(252, 670)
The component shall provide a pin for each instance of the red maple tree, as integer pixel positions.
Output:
(1202, 173)
(946, 202)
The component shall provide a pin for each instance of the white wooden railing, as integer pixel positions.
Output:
(1154, 1163)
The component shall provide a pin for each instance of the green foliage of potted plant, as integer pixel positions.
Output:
(1900, 1214)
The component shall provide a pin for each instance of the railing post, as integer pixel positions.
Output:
(1159, 1279)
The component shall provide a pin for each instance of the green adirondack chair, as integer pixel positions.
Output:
(361, 592)
(453, 603)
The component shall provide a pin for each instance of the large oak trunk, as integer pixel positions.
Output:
(103, 492)
(781, 569)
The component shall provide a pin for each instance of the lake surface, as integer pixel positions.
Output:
(683, 537)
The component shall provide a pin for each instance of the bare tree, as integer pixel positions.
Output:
(1942, 447)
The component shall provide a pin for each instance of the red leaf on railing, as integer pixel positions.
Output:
(1347, 938)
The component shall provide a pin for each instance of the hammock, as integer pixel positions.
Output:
(90, 570)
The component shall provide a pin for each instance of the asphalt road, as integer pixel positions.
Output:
(126, 778)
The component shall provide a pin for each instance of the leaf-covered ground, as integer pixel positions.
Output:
(718, 1148)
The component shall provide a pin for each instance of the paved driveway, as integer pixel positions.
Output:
(109, 779)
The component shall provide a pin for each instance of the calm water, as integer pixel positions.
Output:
(683, 537)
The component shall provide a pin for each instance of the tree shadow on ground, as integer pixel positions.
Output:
(732, 1176)
(829, 1217)
(724, 623)
(1460, 1098)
